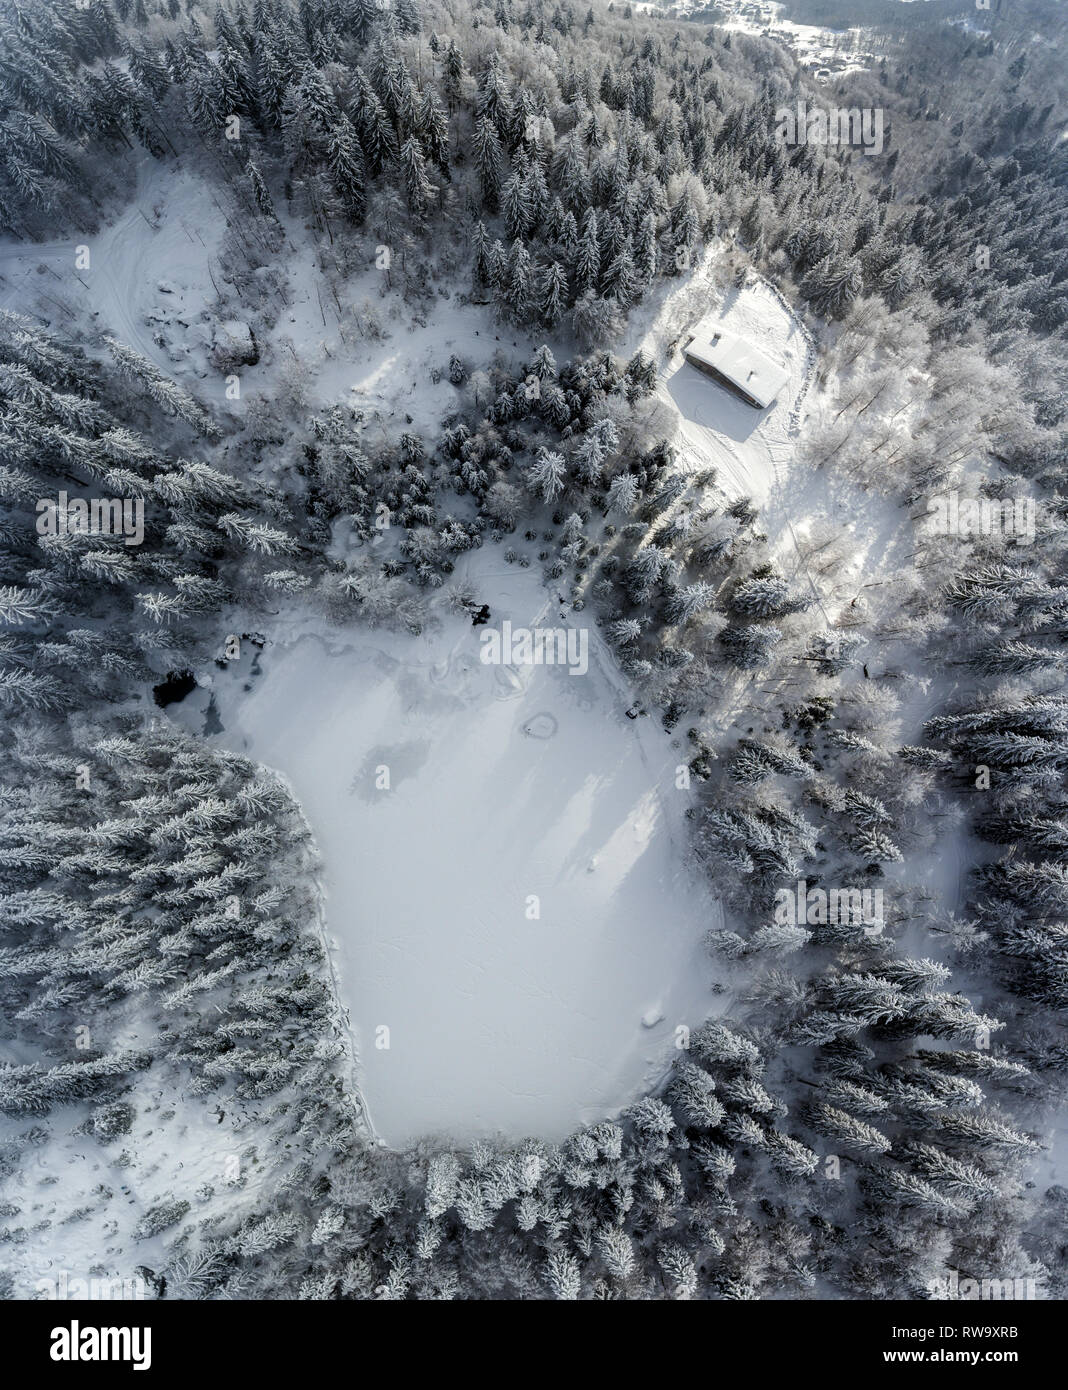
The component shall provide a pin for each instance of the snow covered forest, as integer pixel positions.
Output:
(339, 962)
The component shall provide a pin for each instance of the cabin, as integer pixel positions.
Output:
(735, 364)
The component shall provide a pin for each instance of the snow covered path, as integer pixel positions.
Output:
(505, 865)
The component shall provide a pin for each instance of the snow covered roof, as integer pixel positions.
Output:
(739, 362)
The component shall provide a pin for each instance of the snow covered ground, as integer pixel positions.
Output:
(153, 277)
(749, 448)
(80, 1200)
(505, 784)
(147, 271)
(375, 355)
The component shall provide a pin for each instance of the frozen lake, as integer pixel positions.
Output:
(503, 861)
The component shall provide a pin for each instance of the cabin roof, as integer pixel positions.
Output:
(744, 365)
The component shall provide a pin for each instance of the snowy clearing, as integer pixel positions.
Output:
(148, 276)
(746, 446)
(504, 782)
(153, 278)
(82, 1200)
(377, 356)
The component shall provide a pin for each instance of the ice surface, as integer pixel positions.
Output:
(505, 785)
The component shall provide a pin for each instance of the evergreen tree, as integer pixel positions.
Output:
(518, 285)
(548, 474)
(260, 191)
(347, 172)
(488, 161)
(416, 180)
(554, 295)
